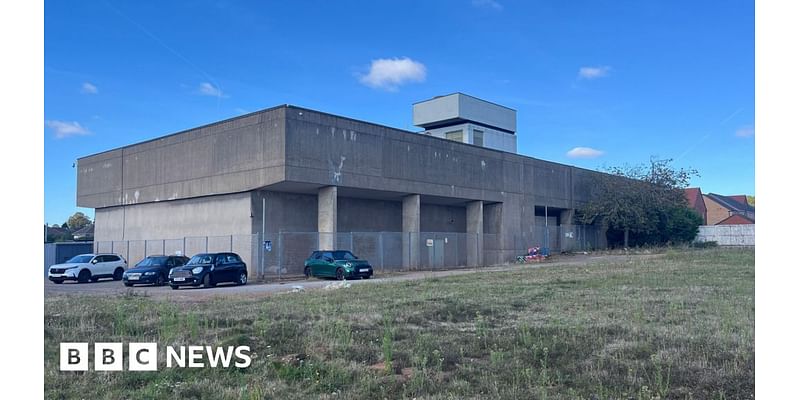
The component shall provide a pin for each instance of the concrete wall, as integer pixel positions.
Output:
(728, 235)
(368, 215)
(439, 218)
(203, 216)
(230, 156)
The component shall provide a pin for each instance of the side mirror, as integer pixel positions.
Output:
(94, 261)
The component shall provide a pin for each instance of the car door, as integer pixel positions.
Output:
(98, 265)
(237, 266)
(327, 264)
(313, 262)
(172, 262)
(112, 262)
(221, 268)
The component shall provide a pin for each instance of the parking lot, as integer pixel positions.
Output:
(108, 287)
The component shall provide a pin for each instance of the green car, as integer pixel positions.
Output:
(339, 264)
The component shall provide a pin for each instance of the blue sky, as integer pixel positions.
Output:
(627, 79)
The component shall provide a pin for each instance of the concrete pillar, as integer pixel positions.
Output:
(492, 224)
(475, 233)
(326, 217)
(411, 231)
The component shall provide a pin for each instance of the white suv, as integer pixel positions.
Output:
(88, 267)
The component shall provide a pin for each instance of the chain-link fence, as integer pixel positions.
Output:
(283, 254)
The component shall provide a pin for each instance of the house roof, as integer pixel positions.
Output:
(731, 203)
(740, 198)
(85, 231)
(737, 219)
(691, 195)
(51, 230)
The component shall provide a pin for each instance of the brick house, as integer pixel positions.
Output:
(720, 209)
(695, 198)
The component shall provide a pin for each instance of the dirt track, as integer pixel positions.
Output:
(111, 288)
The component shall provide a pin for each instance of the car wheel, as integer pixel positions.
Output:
(207, 281)
(118, 274)
(307, 272)
(339, 274)
(58, 282)
(128, 284)
(84, 276)
(174, 287)
(242, 279)
(160, 280)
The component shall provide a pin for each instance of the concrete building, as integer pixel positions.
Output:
(291, 169)
(467, 119)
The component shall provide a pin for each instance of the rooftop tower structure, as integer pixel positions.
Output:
(468, 119)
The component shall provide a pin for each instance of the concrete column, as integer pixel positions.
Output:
(411, 231)
(475, 233)
(492, 224)
(326, 217)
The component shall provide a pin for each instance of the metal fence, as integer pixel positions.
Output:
(387, 251)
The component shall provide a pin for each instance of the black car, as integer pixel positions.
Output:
(153, 270)
(209, 269)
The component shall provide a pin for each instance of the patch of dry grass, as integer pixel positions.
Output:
(676, 326)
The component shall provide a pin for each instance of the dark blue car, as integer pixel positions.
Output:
(153, 270)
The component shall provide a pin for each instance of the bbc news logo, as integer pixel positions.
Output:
(144, 356)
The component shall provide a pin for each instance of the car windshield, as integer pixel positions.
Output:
(343, 255)
(201, 259)
(152, 262)
(80, 259)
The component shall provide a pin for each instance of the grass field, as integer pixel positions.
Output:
(680, 325)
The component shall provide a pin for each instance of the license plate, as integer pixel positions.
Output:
(179, 279)
(133, 278)
(364, 270)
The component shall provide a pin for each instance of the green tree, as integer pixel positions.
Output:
(78, 221)
(645, 200)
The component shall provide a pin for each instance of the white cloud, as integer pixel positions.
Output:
(390, 73)
(746, 131)
(487, 4)
(65, 129)
(584, 152)
(207, 89)
(593, 72)
(88, 88)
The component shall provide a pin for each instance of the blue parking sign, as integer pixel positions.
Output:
(268, 245)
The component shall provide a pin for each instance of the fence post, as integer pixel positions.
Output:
(231, 248)
(261, 254)
(380, 248)
(280, 254)
(183, 248)
(206, 244)
(164, 246)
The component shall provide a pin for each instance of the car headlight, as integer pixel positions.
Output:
(348, 265)
(171, 270)
(148, 273)
(197, 270)
(72, 267)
